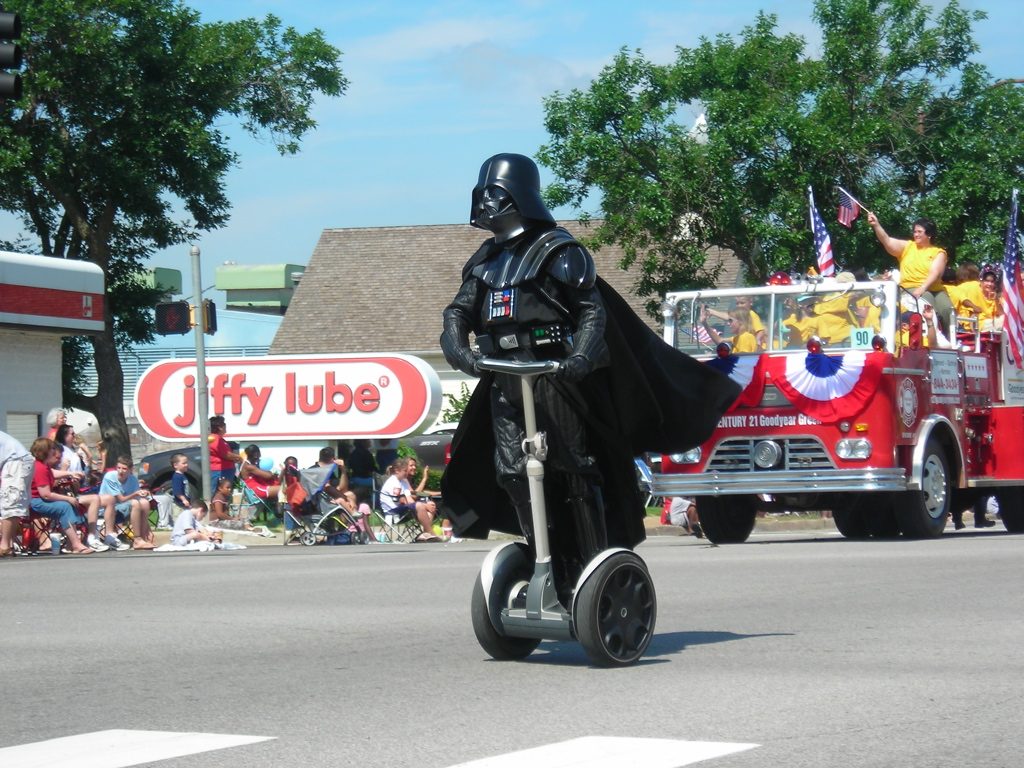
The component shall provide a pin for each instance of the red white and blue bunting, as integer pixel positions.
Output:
(828, 387)
(748, 372)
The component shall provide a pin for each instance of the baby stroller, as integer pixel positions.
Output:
(312, 516)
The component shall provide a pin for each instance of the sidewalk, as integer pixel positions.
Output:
(766, 524)
(235, 537)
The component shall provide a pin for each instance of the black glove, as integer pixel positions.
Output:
(465, 360)
(455, 346)
(574, 368)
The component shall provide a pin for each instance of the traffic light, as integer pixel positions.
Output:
(209, 317)
(10, 55)
(173, 317)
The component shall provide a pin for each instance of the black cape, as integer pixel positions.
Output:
(651, 397)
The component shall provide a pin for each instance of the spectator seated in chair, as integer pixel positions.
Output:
(48, 503)
(131, 503)
(397, 498)
(256, 474)
(70, 478)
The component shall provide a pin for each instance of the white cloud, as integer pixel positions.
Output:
(431, 38)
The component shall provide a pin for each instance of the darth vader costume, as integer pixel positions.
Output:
(531, 292)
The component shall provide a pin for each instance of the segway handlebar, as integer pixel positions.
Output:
(517, 368)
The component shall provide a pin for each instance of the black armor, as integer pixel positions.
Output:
(530, 294)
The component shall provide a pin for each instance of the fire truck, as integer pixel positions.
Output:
(848, 405)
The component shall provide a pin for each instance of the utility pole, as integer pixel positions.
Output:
(202, 389)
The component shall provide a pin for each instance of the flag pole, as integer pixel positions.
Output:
(858, 202)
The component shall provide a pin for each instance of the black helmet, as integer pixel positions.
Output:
(518, 176)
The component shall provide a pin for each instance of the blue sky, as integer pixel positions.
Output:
(435, 88)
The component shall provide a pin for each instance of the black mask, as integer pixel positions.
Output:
(499, 214)
(506, 199)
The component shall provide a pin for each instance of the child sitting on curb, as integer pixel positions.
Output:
(220, 515)
(187, 527)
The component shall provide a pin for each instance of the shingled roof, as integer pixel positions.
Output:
(382, 289)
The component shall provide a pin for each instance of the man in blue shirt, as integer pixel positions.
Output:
(130, 502)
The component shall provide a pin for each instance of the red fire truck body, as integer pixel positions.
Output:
(872, 421)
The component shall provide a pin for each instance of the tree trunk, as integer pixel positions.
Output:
(109, 399)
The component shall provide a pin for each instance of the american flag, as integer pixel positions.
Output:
(1013, 306)
(699, 333)
(822, 243)
(849, 209)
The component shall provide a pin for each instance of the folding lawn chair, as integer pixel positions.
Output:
(645, 477)
(397, 528)
(36, 530)
(251, 506)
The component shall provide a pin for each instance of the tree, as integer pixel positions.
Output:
(120, 131)
(455, 405)
(893, 110)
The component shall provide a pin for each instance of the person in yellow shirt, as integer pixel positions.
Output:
(867, 315)
(967, 286)
(966, 292)
(743, 337)
(833, 314)
(921, 264)
(746, 303)
(987, 307)
(800, 323)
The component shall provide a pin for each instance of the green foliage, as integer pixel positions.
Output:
(434, 476)
(893, 110)
(433, 480)
(121, 131)
(456, 404)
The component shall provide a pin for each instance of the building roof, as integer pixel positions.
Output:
(382, 289)
(51, 294)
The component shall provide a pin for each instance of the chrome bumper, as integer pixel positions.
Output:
(788, 481)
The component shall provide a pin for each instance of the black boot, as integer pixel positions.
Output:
(958, 519)
(980, 508)
(587, 507)
(519, 492)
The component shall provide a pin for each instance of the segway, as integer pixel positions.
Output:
(515, 605)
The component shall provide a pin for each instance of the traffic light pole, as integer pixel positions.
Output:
(202, 389)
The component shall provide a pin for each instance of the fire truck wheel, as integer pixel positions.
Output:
(1011, 508)
(881, 520)
(922, 514)
(727, 519)
(872, 514)
(849, 520)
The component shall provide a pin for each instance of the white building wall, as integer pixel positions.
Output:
(31, 366)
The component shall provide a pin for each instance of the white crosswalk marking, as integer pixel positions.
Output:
(117, 748)
(611, 752)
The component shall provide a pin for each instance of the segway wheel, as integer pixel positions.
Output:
(497, 645)
(615, 611)
(308, 538)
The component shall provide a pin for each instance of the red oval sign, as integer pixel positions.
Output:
(343, 396)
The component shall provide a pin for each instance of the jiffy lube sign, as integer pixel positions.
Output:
(292, 396)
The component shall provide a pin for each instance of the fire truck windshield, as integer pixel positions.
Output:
(842, 315)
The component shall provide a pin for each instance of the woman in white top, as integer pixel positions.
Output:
(69, 475)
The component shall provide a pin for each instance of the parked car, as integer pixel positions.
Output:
(433, 447)
(154, 470)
